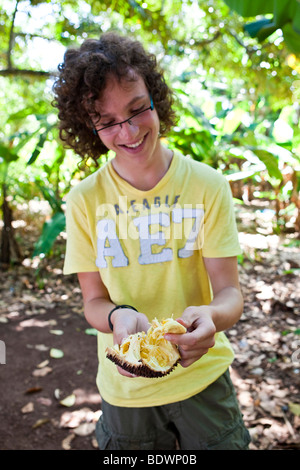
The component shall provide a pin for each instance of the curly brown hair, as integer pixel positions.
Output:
(83, 77)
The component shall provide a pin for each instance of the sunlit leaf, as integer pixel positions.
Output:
(251, 7)
(56, 353)
(292, 36)
(270, 161)
(40, 422)
(295, 408)
(57, 332)
(38, 148)
(91, 331)
(7, 154)
(286, 16)
(51, 230)
(233, 120)
(69, 400)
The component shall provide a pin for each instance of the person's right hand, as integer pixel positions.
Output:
(127, 322)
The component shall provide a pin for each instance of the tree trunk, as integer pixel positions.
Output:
(8, 241)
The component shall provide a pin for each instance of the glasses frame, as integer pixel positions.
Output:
(151, 107)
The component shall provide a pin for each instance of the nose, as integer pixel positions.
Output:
(128, 129)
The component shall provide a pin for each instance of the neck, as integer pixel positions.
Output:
(145, 175)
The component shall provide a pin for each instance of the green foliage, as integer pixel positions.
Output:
(285, 15)
(50, 232)
(237, 94)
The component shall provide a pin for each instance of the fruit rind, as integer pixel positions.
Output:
(140, 370)
(148, 355)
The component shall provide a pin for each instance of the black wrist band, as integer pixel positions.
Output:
(116, 308)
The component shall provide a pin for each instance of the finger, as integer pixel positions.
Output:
(190, 339)
(197, 343)
(120, 336)
(189, 358)
(189, 353)
(125, 373)
(198, 335)
(187, 362)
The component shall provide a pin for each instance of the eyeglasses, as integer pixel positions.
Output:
(134, 120)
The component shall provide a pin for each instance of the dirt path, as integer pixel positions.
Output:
(48, 402)
(49, 398)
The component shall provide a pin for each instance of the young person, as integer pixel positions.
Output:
(153, 233)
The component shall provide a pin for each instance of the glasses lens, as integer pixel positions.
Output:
(140, 117)
(134, 120)
(110, 130)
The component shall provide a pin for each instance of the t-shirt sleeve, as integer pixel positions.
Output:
(220, 235)
(80, 253)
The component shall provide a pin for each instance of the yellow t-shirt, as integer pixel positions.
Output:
(148, 247)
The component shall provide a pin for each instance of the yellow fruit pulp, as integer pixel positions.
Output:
(149, 354)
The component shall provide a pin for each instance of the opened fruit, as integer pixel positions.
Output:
(148, 354)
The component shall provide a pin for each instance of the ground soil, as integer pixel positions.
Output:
(49, 399)
(33, 384)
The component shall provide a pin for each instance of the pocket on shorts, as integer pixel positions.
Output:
(237, 439)
(110, 441)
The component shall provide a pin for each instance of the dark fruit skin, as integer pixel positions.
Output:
(141, 370)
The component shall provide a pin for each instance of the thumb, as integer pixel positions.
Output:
(120, 334)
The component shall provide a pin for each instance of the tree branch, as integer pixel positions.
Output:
(198, 43)
(204, 42)
(26, 72)
(250, 50)
(11, 37)
(11, 70)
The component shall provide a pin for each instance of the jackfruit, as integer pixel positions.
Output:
(148, 354)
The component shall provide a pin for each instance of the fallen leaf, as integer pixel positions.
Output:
(66, 443)
(43, 364)
(295, 408)
(69, 400)
(85, 429)
(57, 393)
(73, 419)
(56, 353)
(41, 347)
(40, 422)
(91, 331)
(29, 408)
(42, 372)
(33, 390)
(95, 443)
(44, 401)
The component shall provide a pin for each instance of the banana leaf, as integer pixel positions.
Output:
(51, 229)
(286, 16)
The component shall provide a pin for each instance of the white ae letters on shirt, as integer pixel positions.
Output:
(189, 213)
(152, 230)
(147, 240)
(108, 244)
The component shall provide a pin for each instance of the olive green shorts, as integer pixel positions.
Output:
(209, 420)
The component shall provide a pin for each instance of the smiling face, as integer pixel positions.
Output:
(136, 140)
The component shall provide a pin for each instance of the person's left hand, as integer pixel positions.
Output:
(200, 335)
